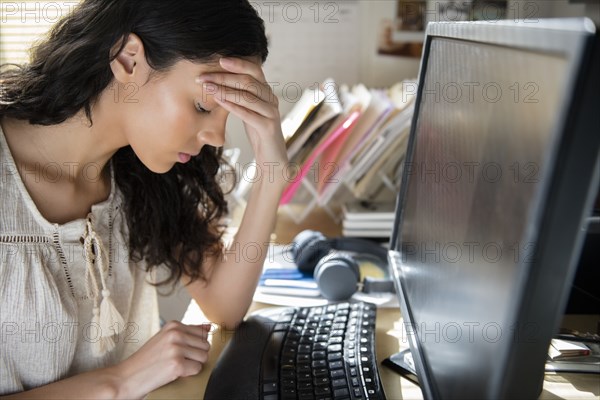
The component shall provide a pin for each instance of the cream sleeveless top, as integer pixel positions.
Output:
(49, 291)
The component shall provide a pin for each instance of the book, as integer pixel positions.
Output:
(375, 108)
(367, 233)
(369, 211)
(364, 224)
(561, 349)
(393, 130)
(385, 165)
(309, 102)
(329, 108)
(339, 131)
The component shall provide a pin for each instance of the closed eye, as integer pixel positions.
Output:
(201, 109)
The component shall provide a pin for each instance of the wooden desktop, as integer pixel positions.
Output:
(389, 339)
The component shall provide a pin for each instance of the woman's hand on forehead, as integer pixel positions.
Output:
(242, 89)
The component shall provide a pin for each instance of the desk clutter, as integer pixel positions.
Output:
(346, 144)
(368, 219)
(283, 283)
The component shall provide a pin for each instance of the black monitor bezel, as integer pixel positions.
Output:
(561, 216)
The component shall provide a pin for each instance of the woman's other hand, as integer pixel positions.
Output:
(177, 350)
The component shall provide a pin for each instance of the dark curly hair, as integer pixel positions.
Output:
(174, 215)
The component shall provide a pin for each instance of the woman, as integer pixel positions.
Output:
(110, 144)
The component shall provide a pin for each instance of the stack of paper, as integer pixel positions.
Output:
(368, 220)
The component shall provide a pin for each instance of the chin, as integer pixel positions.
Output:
(159, 168)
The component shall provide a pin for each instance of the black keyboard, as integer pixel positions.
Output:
(323, 352)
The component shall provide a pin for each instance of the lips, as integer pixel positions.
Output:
(184, 157)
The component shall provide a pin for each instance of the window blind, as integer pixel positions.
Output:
(25, 21)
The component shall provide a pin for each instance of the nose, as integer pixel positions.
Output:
(215, 138)
(212, 130)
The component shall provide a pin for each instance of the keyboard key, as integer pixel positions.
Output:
(341, 392)
(304, 348)
(321, 381)
(318, 355)
(320, 346)
(289, 381)
(322, 390)
(321, 338)
(336, 364)
(288, 393)
(271, 397)
(337, 383)
(336, 339)
(303, 312)
(319, 364)
(337, 332)
(304, 377)
(306, 394)
(337, 373)
(303, 358)
(332, 348)
(320, 372)
(306, 339)
(304, 368)
(355, 382)
(334, 356)
(357, 392)
(316, 310)
(270, 387)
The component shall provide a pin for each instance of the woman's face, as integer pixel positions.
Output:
(171, 117)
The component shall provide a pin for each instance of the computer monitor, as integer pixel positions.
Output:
(501, 169)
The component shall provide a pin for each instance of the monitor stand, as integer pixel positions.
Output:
(402, 363)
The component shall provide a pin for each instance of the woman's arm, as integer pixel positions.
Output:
(232, 279)
(100, 384)
(177, 350)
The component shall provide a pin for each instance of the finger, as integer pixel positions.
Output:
(193, 340)
(191, 367)
(202, 330)
(247, 100)
(246, 115)
(194, 354)
(241, 66)
(187, 335)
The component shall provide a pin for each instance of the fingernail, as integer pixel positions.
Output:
(226, 62)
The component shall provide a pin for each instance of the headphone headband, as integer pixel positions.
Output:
(360, 246)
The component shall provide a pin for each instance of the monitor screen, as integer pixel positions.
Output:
(482, 165)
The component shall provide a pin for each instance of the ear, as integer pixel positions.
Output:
(130, 65)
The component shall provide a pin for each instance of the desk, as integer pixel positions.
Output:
(389, 339)
(388, 336)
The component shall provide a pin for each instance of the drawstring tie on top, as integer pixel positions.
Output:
(106, 316)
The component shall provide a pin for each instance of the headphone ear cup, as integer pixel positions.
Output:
(308, 248)
(337, 276)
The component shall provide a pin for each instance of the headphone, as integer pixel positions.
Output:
(336, 272)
